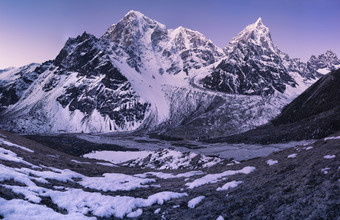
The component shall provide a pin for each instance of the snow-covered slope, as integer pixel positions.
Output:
(141, 75)
(151, 56)
(112, 83)
(80, 91)
(14, 81)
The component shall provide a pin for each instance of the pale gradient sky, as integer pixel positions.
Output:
(36, 30)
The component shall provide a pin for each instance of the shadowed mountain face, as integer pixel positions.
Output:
(314, 114)
(321, 98)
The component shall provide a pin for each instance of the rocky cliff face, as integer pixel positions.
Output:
(140, 74)
(323, 63)
(149, 45)
(255, 66)
(14, 81)
(81, 90)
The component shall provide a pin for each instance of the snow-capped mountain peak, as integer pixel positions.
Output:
(324, 63)
(254, 65)
(257, 34)
(132, 23)
(140, 74)
(259, 21)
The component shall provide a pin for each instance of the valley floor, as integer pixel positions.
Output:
(39, 180)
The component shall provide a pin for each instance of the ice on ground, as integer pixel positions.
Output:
(20, 209)
(229, 185)
(213, 178)
(271, 162)
(329, 156)
(2, 141)
(292, 156)
(157, 211)
(135, 214)
(117, 156)
(325, 170)
(79, 162)
(193, 202)
(332, 138)
(115, 182)
(162, 175)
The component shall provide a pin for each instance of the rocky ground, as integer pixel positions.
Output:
(297, 183)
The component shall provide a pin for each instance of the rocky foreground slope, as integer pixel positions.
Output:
(37, 181)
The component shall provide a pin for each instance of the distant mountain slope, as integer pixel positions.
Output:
(142, 76)
(255, 66)
(323, 63)
(323, 96)
(313, 114)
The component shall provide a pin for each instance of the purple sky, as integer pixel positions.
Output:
(36, 30)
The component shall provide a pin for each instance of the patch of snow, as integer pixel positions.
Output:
(2, 141)
(79, 162)
(56, 174)
(162, 175)
(157, 211)
(292, 156)
(8, 173)
(329, 156)
(29, 195)
(229, 185)
(115, 182)
(332, 138)
(324, 71)
(79, 201)
(107, 164)
(58, 187)
(11, 156)
(193, 202)
(309, 148)
(117, 156)
(325, 170)
(135, 214)
(213, 178)
(220, 218)
(20, 209)
(233, 162)
(271, 162)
